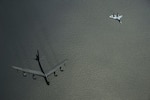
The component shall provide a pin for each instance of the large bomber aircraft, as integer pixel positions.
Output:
(41, 73)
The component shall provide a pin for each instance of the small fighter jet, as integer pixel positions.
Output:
(41, 73)
(116, 17)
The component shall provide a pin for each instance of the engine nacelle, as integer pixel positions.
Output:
(61, 69)
(33, 77)
(24, 74)
(55, 74)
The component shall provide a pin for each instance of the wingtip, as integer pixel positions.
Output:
(13, 66)
(65, 60)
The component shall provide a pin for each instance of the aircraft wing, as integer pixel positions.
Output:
(56, 67)
(38, 73)
(120, 16)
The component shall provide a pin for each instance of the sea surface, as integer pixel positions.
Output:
(106, 60)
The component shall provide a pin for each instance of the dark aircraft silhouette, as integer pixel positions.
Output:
(41, 73)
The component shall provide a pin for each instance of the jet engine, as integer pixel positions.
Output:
(24, 74)
(33, 77)
(61, 69)
(55, 74)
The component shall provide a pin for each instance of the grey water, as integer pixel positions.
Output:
(107, 60)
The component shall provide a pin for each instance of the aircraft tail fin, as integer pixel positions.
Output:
(37, 56)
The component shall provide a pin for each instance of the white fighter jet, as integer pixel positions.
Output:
(41, 73)
(116, 17)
